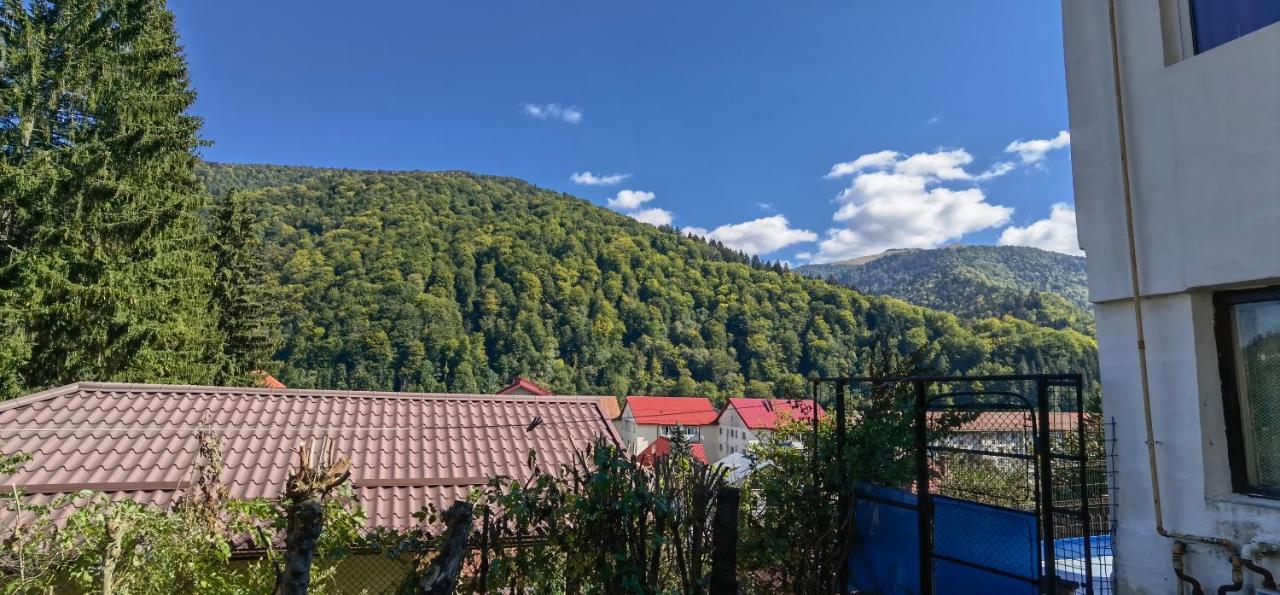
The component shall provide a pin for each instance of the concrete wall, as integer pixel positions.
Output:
(1204, 148)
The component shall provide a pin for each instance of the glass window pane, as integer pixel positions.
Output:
(1220, 21)
(1257, 357)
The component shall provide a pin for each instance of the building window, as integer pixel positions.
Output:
(1248, 332)
(1215, 22)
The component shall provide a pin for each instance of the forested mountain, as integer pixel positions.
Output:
(454, 281)
(1045, 288)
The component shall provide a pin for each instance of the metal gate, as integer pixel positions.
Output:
(1010, 486)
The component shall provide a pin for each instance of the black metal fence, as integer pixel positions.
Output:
(1010, 488)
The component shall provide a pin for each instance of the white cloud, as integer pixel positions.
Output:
(909, 202)
(1034, 151)
(553, 111)
(765, 206)
(878, 160)
(944, 165)
(655, 217)
(997, 170)
(629, 200)
(758, 236)
(1057, 233)
(587, 178)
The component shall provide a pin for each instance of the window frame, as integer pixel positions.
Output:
(1224, 303)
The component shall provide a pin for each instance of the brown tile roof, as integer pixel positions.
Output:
(523, 386)
(137, 441)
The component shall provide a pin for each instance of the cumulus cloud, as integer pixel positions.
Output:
(587, 178)
(869, 161)
(908, 202)
(1034, 151)
(655, 217)
(758, 236)
(1057, 233)
(630, 203)
(553, 111)
(629, 200)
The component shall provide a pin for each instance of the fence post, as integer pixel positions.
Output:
(441, 576)
(724, 543)
(924, 504)
(1044, 446)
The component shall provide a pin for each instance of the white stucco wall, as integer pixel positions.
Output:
(1204, 148)
(732, 435)
(635, 436)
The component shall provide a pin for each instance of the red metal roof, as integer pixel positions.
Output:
(766, 414)
(522, 385)
(662, 447)
(139, 442)
(671, 411)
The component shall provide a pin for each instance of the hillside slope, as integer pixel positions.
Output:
(1045, 288)
(454, 281)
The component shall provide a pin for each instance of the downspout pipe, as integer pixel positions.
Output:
(1179, 567)
(1135, 280)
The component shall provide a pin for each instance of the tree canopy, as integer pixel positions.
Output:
(455, 281)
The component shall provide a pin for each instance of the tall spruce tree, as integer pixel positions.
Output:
(105, 271)
(243, 291)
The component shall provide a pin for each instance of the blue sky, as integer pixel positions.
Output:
(728, 117)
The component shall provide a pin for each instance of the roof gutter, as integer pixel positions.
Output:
(1135, 281)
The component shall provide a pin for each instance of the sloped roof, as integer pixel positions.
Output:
(522, 385)
(662, 447)
(766, 414)
(139, 442)
(671, 411)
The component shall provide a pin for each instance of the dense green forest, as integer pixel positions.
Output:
(123, 257)
(455, 281)
(1041, 287)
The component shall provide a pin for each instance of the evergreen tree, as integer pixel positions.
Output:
(243, 292)
(104, 267)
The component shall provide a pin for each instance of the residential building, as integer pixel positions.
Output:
(663, 446)
(1177, 187)
(645, 419)
(407, 450)
(745, 421)
(523, 386)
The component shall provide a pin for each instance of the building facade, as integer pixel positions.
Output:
(1184, 152)
(645, 419)
(746, 421)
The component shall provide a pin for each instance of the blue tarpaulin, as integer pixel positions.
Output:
(885, 557)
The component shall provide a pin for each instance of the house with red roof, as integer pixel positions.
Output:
(663, 446)
(525, 387)
(645, 419)
(745, 421)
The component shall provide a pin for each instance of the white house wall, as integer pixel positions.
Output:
(1204, 147)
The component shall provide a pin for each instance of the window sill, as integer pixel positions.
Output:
(1246, 500)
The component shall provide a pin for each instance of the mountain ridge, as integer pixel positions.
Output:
(1047, 288)
(457, 281)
